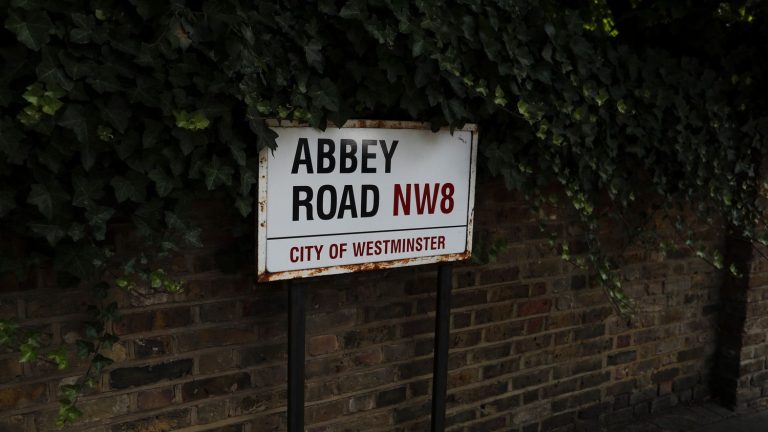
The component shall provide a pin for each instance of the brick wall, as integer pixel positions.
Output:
(534, 343)
(742, 367)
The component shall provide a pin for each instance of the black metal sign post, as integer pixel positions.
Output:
(296, 338)
(442, 332)
(296, 332)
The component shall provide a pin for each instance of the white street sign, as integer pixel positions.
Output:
(368, 195)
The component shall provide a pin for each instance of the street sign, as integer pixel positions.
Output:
(369, 195)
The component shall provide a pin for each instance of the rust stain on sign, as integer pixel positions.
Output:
(369, 266)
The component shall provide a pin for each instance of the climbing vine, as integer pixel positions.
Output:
(125, 112)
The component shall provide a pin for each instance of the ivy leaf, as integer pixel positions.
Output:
(76, 231)
(149, 214)
(59, 356)
(52, 232)
(33, 29)
(47, 197)
(87, 155)
(48, 71)
(10, 141)
(29, 349)
(244, 204)
(93, 329)
(68, 413)
(164, 184)
(326, 95)
(78, 260)
(42, 198)
(80, 36)
(152, 131)
(74, 118)
(100, 362)
(97, 217)
(189, 141)
(86, 190)
(133, 189)
(76, 69)
(28, 353)
(103, 81)
(8, 330)
(85, 348)
(217, 174)
(111, 313)
(85, 25)
(7, 201)
(108, 340)
(238, 153)
(117, 113)
(313, 54)
(354, 9)
(69, 391)
(247, 180)
(190, 235)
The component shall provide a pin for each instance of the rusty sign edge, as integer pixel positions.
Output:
(261, 219)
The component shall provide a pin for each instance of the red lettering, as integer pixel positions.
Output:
(425, 201)
(404, 201)
(305, 253)
(426, 198)
(446, 204)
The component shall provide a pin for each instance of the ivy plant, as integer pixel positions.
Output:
(125, 112)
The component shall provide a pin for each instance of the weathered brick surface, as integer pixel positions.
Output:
(742, 373)
(535, 345)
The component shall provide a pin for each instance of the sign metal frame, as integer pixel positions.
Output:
(297, 284)
(261, 214)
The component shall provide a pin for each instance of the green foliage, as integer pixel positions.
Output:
(487, 247)
(125, 112)
(191, 121)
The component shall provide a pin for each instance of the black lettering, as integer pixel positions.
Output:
(348, 153)
(325, 150)
(388, 153)
(367, 154)
(298, 159)
(321, 202)
(347, 202)
(305, 202)
(364, 211)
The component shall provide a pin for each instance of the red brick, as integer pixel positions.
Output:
(323, 344)
(167, 421)
(10, 369)
(219, 312)
(161, 319)
(534, 307)
(154, 398)
(220, 336)
(22, 396)
(216, 361)
(201, 389)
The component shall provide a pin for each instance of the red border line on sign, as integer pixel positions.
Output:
(366, 232)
